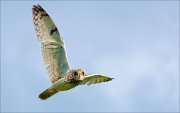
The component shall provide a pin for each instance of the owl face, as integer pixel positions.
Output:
(77, 74)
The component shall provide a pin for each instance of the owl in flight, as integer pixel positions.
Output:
(54, 56)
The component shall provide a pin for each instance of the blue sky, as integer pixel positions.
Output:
(137, 43)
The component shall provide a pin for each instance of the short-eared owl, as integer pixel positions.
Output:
(54, 56)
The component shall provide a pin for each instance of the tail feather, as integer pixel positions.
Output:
(47, 93)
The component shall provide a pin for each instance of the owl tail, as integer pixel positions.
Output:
(47, 93)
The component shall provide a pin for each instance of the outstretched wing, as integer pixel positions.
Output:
(95, 78)
(52, 44)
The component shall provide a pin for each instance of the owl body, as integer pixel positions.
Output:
(72, 79)
(62, 85)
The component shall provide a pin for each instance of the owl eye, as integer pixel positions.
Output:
(82, 73)
(75, 73)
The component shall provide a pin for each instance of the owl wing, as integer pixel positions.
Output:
(95, 78)
(52, 44)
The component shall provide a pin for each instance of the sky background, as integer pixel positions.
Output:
(137, 43)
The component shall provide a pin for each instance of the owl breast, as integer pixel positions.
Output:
(62, 85)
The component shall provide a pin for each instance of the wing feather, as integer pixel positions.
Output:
(52, 44)
(95, 78)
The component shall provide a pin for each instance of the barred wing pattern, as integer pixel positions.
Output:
(95, 78)
(52, 44)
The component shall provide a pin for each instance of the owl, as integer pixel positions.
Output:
(53, 52)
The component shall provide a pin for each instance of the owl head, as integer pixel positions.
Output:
(76, 74)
